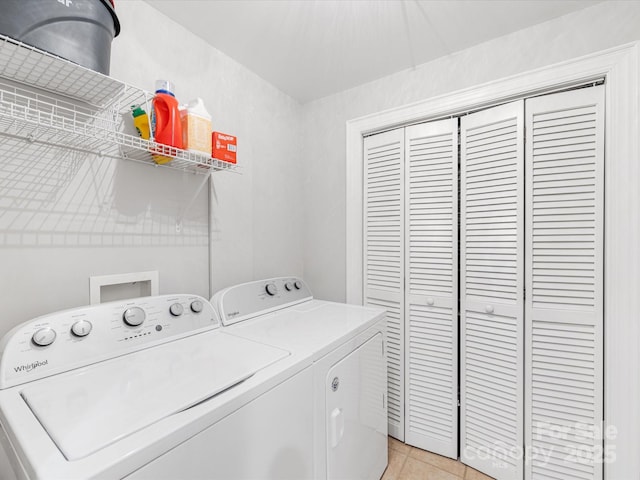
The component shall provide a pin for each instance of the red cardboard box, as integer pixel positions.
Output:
(224, 147)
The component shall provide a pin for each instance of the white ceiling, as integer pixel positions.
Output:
(313, 48)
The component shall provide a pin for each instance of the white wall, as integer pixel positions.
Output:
(599, 27)
(64, 218)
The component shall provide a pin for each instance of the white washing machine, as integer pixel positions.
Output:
(346, 344)
(150, 388)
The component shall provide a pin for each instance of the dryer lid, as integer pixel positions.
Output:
(86, 410)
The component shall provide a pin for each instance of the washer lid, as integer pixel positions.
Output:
(86, 410)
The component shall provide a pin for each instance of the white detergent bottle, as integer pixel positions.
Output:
(196, 127)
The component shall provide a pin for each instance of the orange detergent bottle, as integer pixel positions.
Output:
(165, 121)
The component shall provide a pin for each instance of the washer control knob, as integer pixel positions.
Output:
(43, 337)
(81, 328)
(176, 309)
(196, 306)
(288, 286)
(134, 316)
(297, 284)
(271, 289)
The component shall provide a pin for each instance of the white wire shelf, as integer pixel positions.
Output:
(30, 66)
(80, 109)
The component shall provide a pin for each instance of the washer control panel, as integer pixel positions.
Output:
(247, 300)
(71, 339)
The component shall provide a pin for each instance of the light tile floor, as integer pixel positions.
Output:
(411, 463)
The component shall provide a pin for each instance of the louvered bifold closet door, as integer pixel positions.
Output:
(431, 242)
(564, 307)
(491, 290)
(384, 255)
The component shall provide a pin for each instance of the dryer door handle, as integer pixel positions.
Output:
(337, 427)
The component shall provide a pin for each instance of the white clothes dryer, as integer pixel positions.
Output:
(132, 388)
(346, 344)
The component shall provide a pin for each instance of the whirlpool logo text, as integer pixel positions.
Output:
(30, 366)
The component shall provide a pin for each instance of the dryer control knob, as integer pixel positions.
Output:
(196, 306)
(81, 328)
(134, 316)
(297, 284)
(43, 337)
(271, 289)
(288, 286)
(176, 309)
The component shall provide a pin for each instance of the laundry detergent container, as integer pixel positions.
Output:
(78, 30)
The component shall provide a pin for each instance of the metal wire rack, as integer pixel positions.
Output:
(49, 100)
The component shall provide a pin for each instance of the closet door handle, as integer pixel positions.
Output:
(488, 308)
(430, 301)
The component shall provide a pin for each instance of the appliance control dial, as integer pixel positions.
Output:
(134, 316)
(81, 328)
(297, 284)
(271, 289)
(44, 336)
(288, 286)
(176, 309)
(196, 306)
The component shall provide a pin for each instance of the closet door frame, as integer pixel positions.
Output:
(620, 68)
